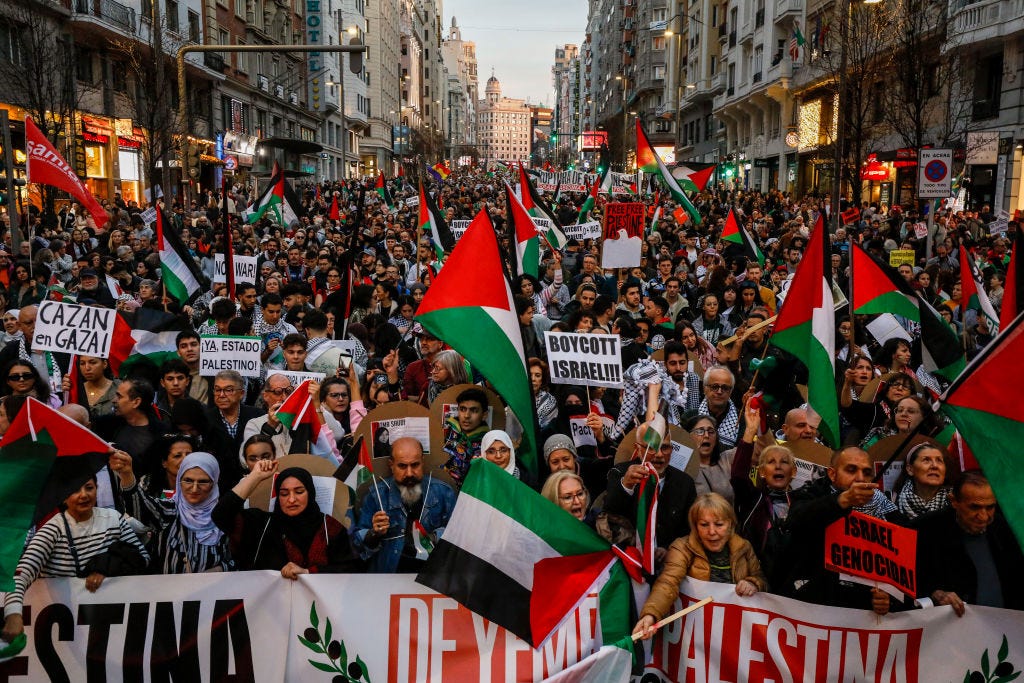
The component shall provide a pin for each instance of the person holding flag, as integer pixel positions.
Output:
(402, 516)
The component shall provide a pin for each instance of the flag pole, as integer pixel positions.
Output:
(678, 615)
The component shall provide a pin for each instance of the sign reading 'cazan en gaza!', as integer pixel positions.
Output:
(70, 328)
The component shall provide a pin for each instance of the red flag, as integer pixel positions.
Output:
(1011, 301)
(559, 586)
(122, 344)
(335, 214)
(45, 166)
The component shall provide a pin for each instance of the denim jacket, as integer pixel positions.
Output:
(438, 503)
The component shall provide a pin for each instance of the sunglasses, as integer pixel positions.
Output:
(20, 377)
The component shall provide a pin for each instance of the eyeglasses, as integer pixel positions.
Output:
(723, 388)
(498, 451)
(337, 396)
(277, 392)
(569, 497)
(201, 484)
(20, 377)
(225, 390)
(703, 431)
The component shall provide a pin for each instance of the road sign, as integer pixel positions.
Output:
(934, 179)
(230, 163)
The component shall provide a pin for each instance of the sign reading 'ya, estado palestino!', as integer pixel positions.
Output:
(221, 352)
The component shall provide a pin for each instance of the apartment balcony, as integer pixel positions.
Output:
(746, 32)
(105, 14)
(732, 38)
(723, 32)
(756, 78)
(759, 19)
(986, 21)
(788, 9)
(718, 83)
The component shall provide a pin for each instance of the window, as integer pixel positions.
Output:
(11, 47)
(147, 10)
(223, 39)
(118, 77)
(659, 72)
(658, 43)
(193, 27)
(240, 8)
(243, 59)
(171, 10)
(83, 66)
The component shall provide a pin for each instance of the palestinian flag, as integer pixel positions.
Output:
(984, 405)
(691, 180)
(527, 239)
(1013, 291)
(590, 202)
(278, 199)
(538, 208)
(180, 273)
(462, 316)
(972, 294)
(648, 161)
(942, 352)
(646, 517)
(299, 415)
(431, 223)
(45, 456)
(421, 541)
(655, 219)
(806, 327)
(385, 193)
(356, 466)
(737, 234)
(877, 288)
(504, 534)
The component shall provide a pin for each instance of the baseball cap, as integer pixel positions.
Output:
(88, 272)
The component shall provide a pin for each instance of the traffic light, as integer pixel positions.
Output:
(554, 138)
(355, 59)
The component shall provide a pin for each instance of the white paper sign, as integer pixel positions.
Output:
(218, 353)
(806, 472)
(583, 231)
(886, 327)
(297, 378)
(584, 359)
(386, 432)
(458, 228)
(245, 269)
(681, 455)
(71, 328)
(582, 435)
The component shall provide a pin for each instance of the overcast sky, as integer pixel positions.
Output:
(517, 38)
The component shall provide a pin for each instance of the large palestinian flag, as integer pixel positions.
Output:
(984, 405)
(278, 199)
(518, 560)
(385, 193)
(591, 201)
(179, 272)
(431, 223)
(737, 234)
(878, 288)
(693, 180)
(470, 307)
(806, 327)
(527, 239)
(648, 161)
(45, 456)
(538, 208)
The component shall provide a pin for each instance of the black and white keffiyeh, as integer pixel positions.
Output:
(913, 505)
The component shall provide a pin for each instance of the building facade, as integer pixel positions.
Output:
(503, 126)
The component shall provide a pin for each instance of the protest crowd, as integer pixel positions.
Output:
(699, 406)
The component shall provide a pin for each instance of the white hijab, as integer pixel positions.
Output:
(498, 435)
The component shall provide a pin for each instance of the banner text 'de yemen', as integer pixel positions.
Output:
(778, 647)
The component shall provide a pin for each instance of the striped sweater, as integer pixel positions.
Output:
(48, 554)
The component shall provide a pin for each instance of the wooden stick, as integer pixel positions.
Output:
(753, 328)
(678, 615)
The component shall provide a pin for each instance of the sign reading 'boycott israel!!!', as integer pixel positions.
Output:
(587, 359)
(70, 328)
(241, 354)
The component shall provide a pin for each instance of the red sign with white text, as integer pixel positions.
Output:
(880, 552)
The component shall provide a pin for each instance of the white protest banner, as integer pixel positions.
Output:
(412, 201)
(71, 328)
(245, 269)
(246, 626)
(542, 224)
(582, 435)
(583, 231)
(195, 627)
(681, 454)
(149, 215)
(459, 228)
(221, 352)
(584, 359)
(806, 472)
(886, 327)
(297, 378)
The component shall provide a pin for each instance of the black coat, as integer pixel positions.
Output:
(943, 562)
(674, 502)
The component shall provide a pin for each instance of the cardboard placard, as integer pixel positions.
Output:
(874, 552)
(222, 352)
(245, 269)
(385, 432)
(584, 359)
(321, 469)
(897, 257)
(851, 215)
(72, 328)
(623, 233)
(681, 443)
(582, 435)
